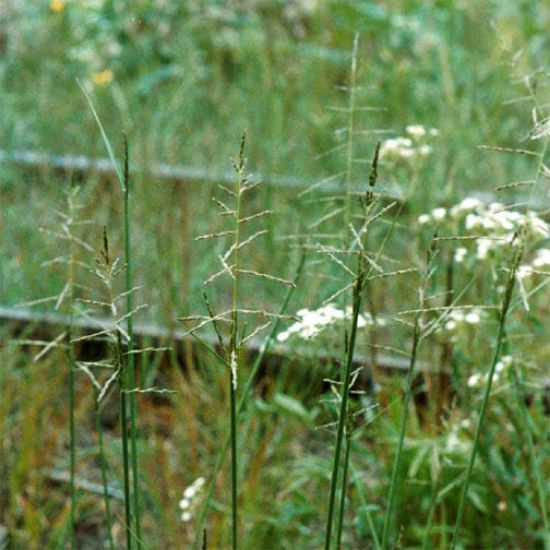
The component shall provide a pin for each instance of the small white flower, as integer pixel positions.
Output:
(312, 322)
(416, 130)
(283, 336)
(403, 142)
(460, 254)
(425, 150)
(450, 325)
(424, 219)
(472, 221)
(189, 501)
(439, 213)
(542, 258)
(189, 492)
(507, 360)
(434, 132)
(474, 380)
(523, 272)
(470, 203)
(361, 322)
(495, 207)
(407, 153)
(487, 222)
(483, 247)
(472, 318)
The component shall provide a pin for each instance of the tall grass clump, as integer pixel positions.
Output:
(65, 302)
(237, 333)
(531, 225)
(127, 378)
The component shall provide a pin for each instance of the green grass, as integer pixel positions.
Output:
(420, 466)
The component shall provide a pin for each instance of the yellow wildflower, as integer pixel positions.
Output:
(103, 78)
(57, 5)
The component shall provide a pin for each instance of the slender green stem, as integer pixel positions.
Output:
(123, 384)
(343, 493)
(240, 407)
(357, 295)
(127, 376)
(233, 465)
(404, 420)
(483, 410)
(126, 465)
(233, 343)
(363, 500)
(71, 360)
(103, 463)
(367, 202)
(130, 357)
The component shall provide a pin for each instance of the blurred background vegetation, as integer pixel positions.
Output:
(183, 80)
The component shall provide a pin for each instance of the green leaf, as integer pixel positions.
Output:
(293, 407)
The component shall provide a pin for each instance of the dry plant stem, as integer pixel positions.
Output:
(130, 357)
(483, 410)
(104, 482)
(246, 390)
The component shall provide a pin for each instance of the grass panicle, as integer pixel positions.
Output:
(357, 296)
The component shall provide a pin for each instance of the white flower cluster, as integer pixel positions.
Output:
(462, 317)
(312, 322)
(539, 265)
(493, 220)
(408, 147)
(189, 501)
(540, 262)
(478, 380)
